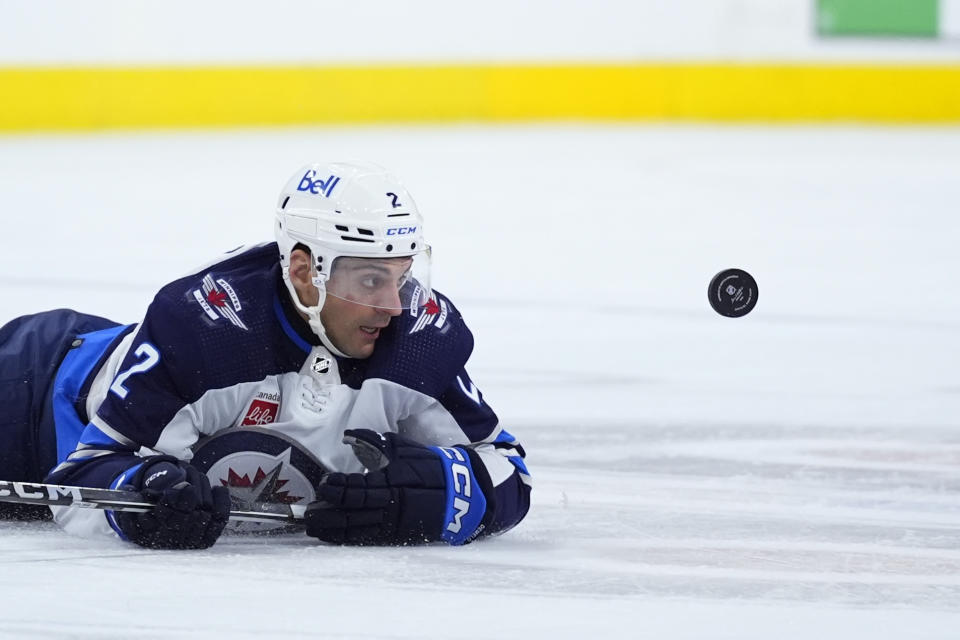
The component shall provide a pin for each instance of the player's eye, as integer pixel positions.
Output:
(371, 282)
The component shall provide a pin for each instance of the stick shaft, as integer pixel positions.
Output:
(54, 495)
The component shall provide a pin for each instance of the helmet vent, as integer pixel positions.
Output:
(397, 215)
(285, 201)
(340, 227)
(364, 232)
(352, 239)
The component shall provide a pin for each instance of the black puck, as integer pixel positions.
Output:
(733, 293)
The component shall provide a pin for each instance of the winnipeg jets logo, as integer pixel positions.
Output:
(255, 479)
(219, 301)
(258, 477)
(259, 466)
(433, 314)
(264, 487)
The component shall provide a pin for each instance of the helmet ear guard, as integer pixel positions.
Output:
(312, 312)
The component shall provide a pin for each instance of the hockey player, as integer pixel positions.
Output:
(321, 369)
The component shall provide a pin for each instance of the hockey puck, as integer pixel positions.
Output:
(733, 293)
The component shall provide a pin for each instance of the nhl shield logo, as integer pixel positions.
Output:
(321, 365)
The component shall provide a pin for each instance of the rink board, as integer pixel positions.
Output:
(91, 98)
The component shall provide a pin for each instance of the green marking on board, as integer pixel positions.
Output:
(917, 18)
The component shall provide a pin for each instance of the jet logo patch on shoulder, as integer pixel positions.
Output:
(433, 314)
(219, 300)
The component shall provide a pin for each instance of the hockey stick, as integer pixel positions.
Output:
(54, 495)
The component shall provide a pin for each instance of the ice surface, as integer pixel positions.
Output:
(791, 474)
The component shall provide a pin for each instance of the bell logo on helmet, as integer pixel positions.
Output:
(401, 231)
(316, 187)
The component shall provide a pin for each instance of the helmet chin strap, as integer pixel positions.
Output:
(324, 338)
(313, 313)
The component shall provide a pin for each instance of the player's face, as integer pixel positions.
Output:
(362, 296)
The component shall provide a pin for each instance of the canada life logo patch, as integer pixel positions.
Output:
(218, 300)
(263, 410)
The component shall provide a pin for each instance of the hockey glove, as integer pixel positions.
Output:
(410, 495)
(189, 514)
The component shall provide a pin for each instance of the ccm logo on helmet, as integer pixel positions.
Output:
(401, 231)
(307, 183)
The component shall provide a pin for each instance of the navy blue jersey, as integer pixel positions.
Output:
(223, 368)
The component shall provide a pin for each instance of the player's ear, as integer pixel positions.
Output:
(299, 267)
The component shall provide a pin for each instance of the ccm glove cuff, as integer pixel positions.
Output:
(411, 494)
(466, 504)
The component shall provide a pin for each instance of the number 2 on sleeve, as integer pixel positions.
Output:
(150, 358)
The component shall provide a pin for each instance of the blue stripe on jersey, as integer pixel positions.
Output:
(505, 437)
(519, 464)
(287, 329)
(93, 437)
(74, 371)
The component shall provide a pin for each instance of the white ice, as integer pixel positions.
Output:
(791, 474)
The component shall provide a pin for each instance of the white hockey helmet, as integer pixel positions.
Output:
(344, 211)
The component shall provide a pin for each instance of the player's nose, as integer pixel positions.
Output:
(389, 302)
